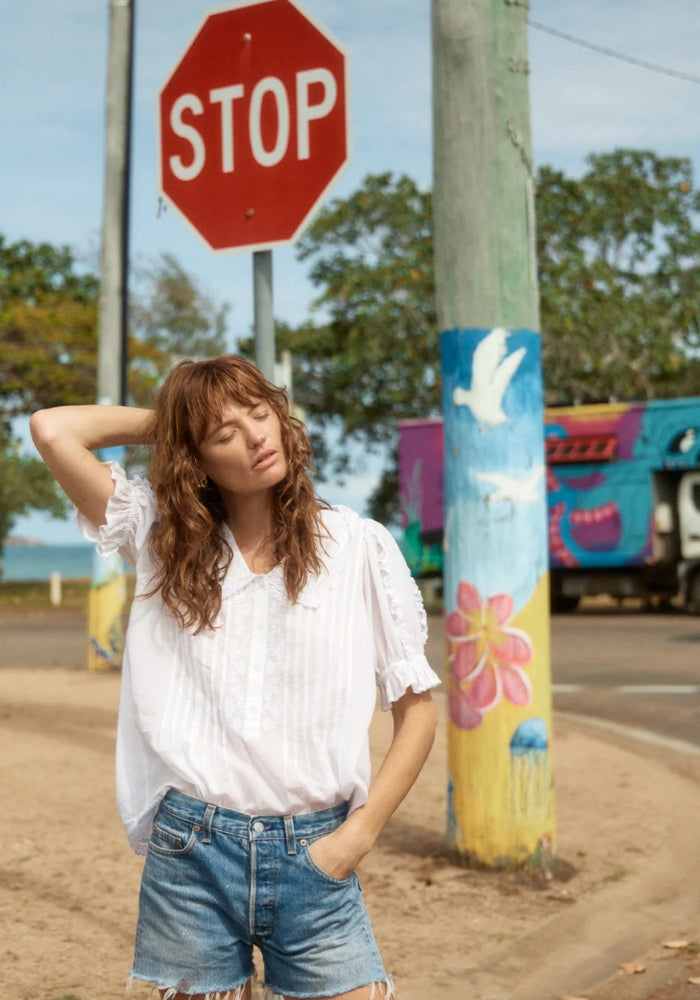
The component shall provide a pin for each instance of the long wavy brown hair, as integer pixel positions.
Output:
(187, 545)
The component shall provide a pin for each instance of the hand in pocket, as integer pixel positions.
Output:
(327, 854)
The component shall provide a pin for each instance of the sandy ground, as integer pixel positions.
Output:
(68, 882)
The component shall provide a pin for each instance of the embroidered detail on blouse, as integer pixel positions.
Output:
(389, 581)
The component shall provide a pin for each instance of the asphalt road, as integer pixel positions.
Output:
(638, 669)
(621, 665)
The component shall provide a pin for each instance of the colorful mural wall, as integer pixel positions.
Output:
(496, 596)
(601, 512)
(600, 505)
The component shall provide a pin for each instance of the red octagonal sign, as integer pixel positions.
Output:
(254, 125)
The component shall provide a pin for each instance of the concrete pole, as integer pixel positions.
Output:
(107, 595)
(263, 317)
(501, 809)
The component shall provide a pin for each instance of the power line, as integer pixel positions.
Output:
(688, 77)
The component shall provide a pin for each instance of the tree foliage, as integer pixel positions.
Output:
(373, 359)
(619, 274)
(170, 318)
(618, 257)
(48, 348)
(49, 326)
(48, 316)
(25, 485)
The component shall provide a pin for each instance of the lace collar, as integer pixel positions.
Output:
(339, 523)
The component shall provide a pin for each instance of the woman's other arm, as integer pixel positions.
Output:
(67, 436)
(415, 720)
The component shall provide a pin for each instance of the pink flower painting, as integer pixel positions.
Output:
(485, 655)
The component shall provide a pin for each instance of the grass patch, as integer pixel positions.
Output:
(33, 595)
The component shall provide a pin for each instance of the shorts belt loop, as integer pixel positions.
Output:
(208, 817)
(289, 834)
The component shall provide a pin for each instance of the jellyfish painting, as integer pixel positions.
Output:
(530, 770)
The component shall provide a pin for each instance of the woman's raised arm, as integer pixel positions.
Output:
(67, 436)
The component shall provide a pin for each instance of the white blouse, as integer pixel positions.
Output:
(268, 713)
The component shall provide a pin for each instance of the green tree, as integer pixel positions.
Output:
(619, 274)
(48, 316)
(170, 318)
(373, 358)
(49, 322)
(48, 348)
(25, 485)
(48, 311)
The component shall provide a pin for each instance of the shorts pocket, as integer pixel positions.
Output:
(171, 834)
(306, 855)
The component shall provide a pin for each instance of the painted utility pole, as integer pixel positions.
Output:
(496, 587)
(107, 593)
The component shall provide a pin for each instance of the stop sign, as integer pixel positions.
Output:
(254, 125)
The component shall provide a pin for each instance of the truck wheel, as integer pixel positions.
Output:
(561, 604)
(692, 602)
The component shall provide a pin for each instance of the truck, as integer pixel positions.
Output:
(623, 500)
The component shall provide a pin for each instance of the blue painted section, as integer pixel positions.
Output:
(499, 542)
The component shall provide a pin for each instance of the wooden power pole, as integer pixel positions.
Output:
(501, 809)
(107, 594)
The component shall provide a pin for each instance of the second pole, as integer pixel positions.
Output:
(263, 316)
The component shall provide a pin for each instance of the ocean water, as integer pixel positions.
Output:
(38, 562)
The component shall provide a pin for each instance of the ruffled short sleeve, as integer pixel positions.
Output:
(398, 619)
(131, 511)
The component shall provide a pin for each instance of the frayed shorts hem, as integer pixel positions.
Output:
(163, 991)
(269, 993)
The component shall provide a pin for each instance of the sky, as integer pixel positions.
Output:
(52, 88)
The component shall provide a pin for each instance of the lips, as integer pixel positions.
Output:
(265, 459)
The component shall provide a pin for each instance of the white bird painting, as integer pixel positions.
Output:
(492, 372)
(509, 488)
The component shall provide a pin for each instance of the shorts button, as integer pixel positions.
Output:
(258, 826)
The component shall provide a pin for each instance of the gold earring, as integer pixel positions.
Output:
(202, 481)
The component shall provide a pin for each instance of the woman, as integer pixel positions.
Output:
(262, 624)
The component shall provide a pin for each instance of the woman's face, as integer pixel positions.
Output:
(242, 451)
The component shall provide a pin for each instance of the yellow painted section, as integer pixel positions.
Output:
(502, 808)
(105, 639)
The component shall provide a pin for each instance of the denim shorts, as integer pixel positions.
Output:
(217, 882)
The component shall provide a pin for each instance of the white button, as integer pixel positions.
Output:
(258, 826)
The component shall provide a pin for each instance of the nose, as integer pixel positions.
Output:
(256, 435)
